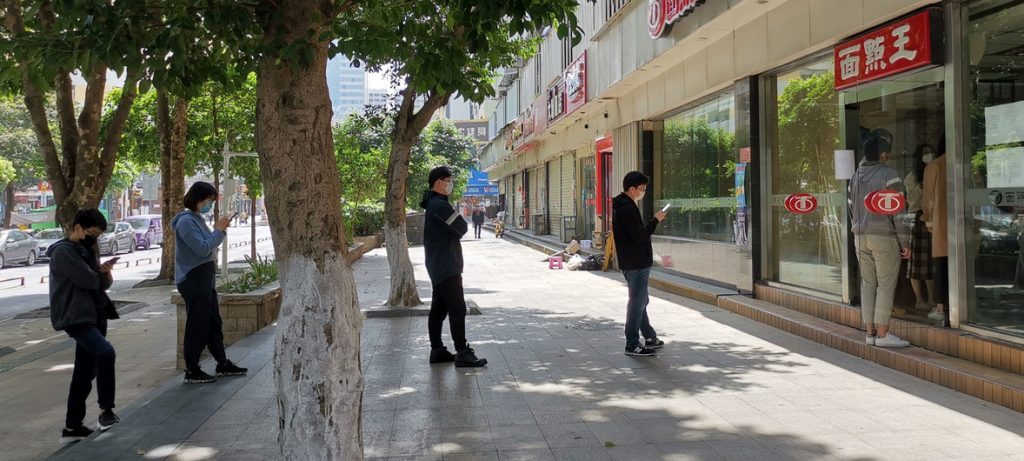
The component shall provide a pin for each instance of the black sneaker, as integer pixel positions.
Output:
(639, 351)
(441, 355)
(108, 419)
(197, 376)
(74, 435)
(230, 369)
(467, 358)
(654, 344)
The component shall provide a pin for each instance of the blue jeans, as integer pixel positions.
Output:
(94, 359)
(636, 310)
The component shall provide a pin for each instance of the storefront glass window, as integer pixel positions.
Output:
(695, 171)
(995, 185)
(803, 128)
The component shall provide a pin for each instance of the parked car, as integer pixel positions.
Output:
(17, 246)
(119, 236)
(45, 238)
(149, 230)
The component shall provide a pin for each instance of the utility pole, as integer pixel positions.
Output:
(225, 195)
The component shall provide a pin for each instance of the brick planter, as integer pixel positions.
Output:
(243, 314)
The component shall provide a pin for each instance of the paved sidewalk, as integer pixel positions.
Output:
(559, 387)
(34, 380)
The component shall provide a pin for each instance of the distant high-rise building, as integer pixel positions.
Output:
(347, 85)
(461, 109)
(376, 96)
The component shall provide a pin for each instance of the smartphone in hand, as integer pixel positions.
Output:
(667, 206)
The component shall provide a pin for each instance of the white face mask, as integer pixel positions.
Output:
(448, 186)
(927, 158)
(641, 196)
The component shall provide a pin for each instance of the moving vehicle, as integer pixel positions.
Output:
(17, 246)
(119, 236)
(149, 230)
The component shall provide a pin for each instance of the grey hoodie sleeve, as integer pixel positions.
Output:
(66, 263)
(902, 229)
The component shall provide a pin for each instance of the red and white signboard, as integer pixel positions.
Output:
(904, 45)
(885, 202)
(661, 14)
(575, 78)
(801, 203)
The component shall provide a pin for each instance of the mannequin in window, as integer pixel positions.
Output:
(921, 269)
(934, 214)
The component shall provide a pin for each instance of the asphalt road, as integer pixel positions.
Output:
(131, 269)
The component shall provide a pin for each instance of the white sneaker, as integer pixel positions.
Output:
(891, 340)
(937, 314)
(869, 340)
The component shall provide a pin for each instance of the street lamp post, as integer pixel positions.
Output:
(224, 200)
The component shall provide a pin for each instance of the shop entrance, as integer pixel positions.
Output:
(910, 117)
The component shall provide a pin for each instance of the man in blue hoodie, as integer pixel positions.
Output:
(635, 255)
(80, 307)
(442, 244)
(880, 241)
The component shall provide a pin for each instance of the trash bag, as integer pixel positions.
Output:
(593, 263)
(575, 262)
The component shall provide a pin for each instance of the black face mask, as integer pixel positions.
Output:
(88, 241)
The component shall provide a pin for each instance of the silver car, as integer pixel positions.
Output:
(45, 238)
(17, 246)
(118, 237)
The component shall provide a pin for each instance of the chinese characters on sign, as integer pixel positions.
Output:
(661, 14)
(904, 45)
(556, 101)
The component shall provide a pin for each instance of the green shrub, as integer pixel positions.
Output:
(262, 271)
(363, 219)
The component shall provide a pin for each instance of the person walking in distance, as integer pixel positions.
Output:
(877, 241)
(442, 233)
(478, 221)
(195, 250)
(636, 256)
(79, 306)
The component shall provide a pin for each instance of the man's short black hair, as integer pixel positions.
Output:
(634, 179)
(89, 218)
(440, 172)
(197, 193)
(874, 148)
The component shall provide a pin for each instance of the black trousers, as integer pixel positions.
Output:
(203, 326)
(448, 301)
(477, 228)
(94, 359)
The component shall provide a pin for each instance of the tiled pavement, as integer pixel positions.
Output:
(559, 387)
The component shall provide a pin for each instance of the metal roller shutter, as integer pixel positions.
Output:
(567, 192)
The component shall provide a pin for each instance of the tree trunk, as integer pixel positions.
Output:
(8, 204)
(173, 132)
(316, 358)
(408, 126)
(403, 280)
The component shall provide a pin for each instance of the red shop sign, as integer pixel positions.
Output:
(885, 202)
(904, 45)
(575, 78)
(801, 203)
(661, 14)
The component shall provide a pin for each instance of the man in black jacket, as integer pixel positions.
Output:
(80, 307)
(635, 255)
(442, 234)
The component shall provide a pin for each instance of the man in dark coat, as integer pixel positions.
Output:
(80, 307)
(442, 234)
(635, 255)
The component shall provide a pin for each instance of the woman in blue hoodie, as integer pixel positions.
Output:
(195, 253)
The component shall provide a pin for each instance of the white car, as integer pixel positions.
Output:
(45, 238)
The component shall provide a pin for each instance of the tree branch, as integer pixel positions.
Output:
(66, 117)
(35, 103)
(116, 128)
(434, 102)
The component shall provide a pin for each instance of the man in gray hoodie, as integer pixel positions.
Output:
(880, 242)
(80, 307)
